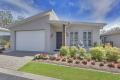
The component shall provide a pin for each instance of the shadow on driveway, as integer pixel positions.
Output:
(19, 53)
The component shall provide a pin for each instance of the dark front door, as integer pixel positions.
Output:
(58, 40)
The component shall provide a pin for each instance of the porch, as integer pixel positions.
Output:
(58, 34)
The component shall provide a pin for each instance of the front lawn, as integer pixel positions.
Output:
(67, 73)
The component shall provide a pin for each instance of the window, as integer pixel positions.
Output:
(87, 39)
(73, 38)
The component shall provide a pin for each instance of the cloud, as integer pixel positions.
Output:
(115, 23)
(26, 7)
(99, 8)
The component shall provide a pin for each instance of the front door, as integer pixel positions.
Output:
(58, 40)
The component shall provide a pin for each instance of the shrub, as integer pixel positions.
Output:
(52, 58)
(98, 53)
(64, 51)
(118, 61)
(73, 51)
(84, 62)
(101, 64)
(70, 60)
(111, 65)
(3, 42)
(41, 56)
(77, 62)
(58, 59)
(118, 66)
(81, 53)
(87, 56)
(93, 62)
(64, 59)
(112, 54)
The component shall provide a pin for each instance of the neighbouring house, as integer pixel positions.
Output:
(45, 32)
(4, 34)
(111, 36)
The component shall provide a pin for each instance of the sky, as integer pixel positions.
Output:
(106, 11)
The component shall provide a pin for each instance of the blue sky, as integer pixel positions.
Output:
(76, 10)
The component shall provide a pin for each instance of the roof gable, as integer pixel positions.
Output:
(49, 13)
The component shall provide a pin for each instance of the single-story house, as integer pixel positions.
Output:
(111, 36)
(4, 34)
(45, 32)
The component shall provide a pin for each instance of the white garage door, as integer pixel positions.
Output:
(30, 40)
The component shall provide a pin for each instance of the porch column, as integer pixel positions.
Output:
(64, 35)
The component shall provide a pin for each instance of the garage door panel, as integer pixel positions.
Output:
(30, 40)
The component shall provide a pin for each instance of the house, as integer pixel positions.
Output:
(45, 32)
(111, 36)
(4, 34)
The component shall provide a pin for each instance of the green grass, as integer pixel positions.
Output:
(67, 73)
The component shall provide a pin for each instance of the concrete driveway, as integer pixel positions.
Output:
(15, 60)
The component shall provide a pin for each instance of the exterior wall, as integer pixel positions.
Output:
(115, 39)
(38, 24)
(80, 29)
(12, 41)
(74, 28)
(53, 31)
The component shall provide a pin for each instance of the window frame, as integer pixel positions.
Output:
(74, 38)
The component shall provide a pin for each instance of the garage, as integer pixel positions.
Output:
(30, 40)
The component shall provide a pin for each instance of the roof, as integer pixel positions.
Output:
(79, 23)
(4, 29)
(101, 25)
(112, 31)
(42, 14)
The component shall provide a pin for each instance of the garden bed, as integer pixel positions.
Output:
(100, 58)
(80, 64)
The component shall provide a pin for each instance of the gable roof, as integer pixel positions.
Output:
(52, 13)
(42, 14)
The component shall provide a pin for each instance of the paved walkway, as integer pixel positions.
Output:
(14, 60)
(6, 74)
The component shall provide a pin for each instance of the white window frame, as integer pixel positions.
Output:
(73, 41)
(86, 41)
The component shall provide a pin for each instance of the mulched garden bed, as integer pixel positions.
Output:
(90, 64)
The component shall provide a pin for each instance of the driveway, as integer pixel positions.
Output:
(15, 60)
